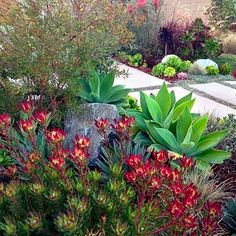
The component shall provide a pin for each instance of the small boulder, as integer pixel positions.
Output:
(199, 66)
(81, 122)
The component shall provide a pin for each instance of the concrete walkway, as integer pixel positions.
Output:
(217, 98)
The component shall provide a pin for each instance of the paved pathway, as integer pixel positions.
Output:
(217, 98)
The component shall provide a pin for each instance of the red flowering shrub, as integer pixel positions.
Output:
(131, 192)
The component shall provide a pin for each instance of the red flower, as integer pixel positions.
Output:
(130, 176)
(56, 135)
(5, 120)
(124, 124)
(141, 172)
(166, 171)
(155, 183)
(191, 191)
(156, 3)
(161, 156)
(79, 154)
(133, 161)
(83, 142)
(190, 202)
(101, 124)
(130, 8)
(27, 125)
(176, 208)
(141, 3)
(176, 175)
(11, 170)
(26, 106)
(214, 208)
(57, 162)
(189, 222)
(208, 224)
(177, 188)
(41, 117)
(186, 162)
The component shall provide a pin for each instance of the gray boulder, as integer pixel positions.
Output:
(199, 66)
(81, 122)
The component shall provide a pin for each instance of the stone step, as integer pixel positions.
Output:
(136, 78)
(202, 105)
(230, 82)
(217, 91)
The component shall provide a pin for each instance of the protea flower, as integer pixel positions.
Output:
(5, 120)
(26, 107)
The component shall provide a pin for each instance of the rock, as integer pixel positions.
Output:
(167, 57)
(199, 66)
(82, 123)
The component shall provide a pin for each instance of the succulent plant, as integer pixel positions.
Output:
(135, 60)
(167, 124)
(158, 70)
(182, 76)
(169, 72)
(212, 70)
(99, 89)
(225, 69)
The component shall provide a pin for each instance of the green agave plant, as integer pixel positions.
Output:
(99, 89)
(167, 124)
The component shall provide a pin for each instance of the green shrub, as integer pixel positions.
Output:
(185, 66)
(46, 44)
(132, 103)
(225, 69)
(174, 62)
(212, 70)
(99, 89)
(135, 60)
(167, 124)
(158, 70)
(65, 197)
(212, 48)
(169, 72)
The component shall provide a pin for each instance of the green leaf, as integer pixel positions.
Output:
(156, 147)
(213, 156)
(140, 118)
(112, 91)
(143, 104)
(169, 119)
(184, 99)
(209, 141)
(183, 125)
(180, 108)
(187, 147)
(107, 83)
(169, 138)
(94, 82)
(173, 98)
(85, 86)
(118, 95)
(154, 109)
(164, 100)
(199, 126)
(202, 165)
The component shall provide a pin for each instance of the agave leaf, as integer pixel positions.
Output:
(165, 135)
(85, 96)
(213, 156)
(184, 99)
(202, 165)
(187, 147)
(140, 118)
(107, 83)
(173, 98)
(154, 109)
(94, 82)
(180, 108)
(112, 91)
(183, 125)
(199, 126)
(209, 141)
(143, 104)
(118, 95)
(164, 100)
(169, 119)
(85, 86)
